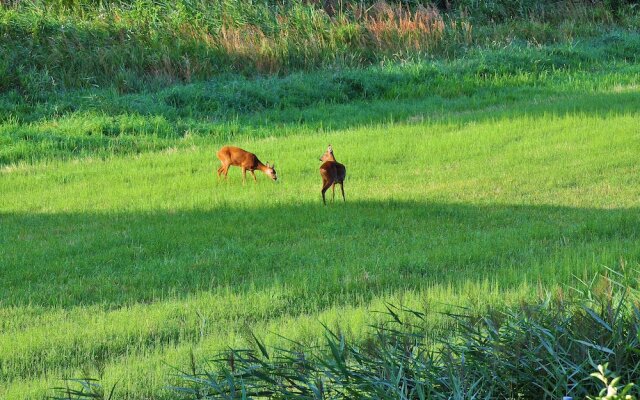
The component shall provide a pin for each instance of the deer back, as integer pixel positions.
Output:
(238, 157)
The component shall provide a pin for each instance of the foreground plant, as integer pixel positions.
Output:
(83, 389)
(541, 351)
(610, 391)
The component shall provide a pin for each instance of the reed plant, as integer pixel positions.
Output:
(136, 45)
(541, 350)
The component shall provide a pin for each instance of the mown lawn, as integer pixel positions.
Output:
(122, 268)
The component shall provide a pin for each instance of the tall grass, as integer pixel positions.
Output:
(543, 350)
(131, 45)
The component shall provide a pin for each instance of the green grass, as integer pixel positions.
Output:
(121, 268)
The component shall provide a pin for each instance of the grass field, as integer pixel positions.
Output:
(125, 267)
(492, 153)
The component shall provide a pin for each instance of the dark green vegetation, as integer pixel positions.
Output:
(544, 350)
(476, 176)
(135, 45)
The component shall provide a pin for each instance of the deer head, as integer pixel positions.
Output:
(271, 171)
(328, 155)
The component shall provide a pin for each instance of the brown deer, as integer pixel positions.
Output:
(229, 155)
(332, 172)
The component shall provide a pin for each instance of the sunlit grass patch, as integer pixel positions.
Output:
(122, 267)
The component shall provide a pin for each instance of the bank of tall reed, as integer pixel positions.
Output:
(132, 45)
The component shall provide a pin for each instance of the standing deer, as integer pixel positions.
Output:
(332, 172)
(229, 155)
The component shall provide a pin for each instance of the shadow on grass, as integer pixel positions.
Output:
(121, 133)
(489, 105)
(357, 249)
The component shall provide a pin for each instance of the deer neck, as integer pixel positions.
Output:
(262, 167)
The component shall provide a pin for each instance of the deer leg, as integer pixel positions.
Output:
(244, 175)
(342, 189)
(225, 171)
(333, 192)
(221, 168)
(254, 175)
(325, 187)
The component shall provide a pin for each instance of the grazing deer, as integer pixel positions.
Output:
(229, 155)
(332, 172)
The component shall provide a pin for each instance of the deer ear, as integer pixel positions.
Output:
(330, 149)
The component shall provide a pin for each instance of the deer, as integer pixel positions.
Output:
(230, 155)
(332, 172)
